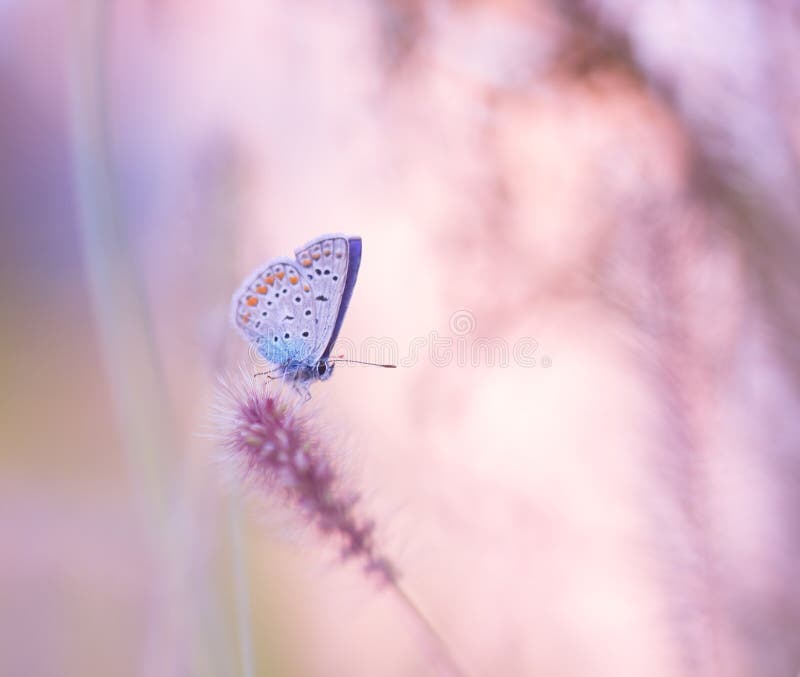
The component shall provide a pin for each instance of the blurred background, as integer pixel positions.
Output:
(612, 184)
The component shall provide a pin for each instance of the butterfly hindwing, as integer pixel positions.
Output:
(275, 310)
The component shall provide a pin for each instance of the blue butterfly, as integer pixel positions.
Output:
(292, 310)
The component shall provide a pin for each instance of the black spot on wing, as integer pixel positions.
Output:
(322, 298)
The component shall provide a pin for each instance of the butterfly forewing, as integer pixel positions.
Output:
(275, 310)
(324, 266)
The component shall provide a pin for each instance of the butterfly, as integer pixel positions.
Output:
(292, 310)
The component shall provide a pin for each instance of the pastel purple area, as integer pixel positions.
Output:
(612, 186)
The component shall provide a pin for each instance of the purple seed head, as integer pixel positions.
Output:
(281, 452)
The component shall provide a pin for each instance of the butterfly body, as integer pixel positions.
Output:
(291, 310)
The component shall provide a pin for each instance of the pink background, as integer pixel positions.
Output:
(617, 181)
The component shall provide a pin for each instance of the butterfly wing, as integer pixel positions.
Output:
(353, 264)
(275, 309)
(330, 265)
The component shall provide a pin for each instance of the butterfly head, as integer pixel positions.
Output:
(324, 370)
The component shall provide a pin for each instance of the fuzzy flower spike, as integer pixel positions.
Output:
(279, 449)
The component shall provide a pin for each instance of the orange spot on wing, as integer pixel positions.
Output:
(280, 275)
(315, 255)
(251, 301)
(339, 255)
(327, 252)
(306, 287)
(261, 289)
(269, 279)
(306, 262)
(294, 279)
(245, 317)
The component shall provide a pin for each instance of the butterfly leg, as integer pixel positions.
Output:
(303, 395)
(302, 390)
(269, 374)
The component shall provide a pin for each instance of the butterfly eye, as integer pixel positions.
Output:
(322, 368)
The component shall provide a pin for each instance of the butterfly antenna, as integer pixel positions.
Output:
(371, 364)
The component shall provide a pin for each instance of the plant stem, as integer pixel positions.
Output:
(438, 649)
(243, 614)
